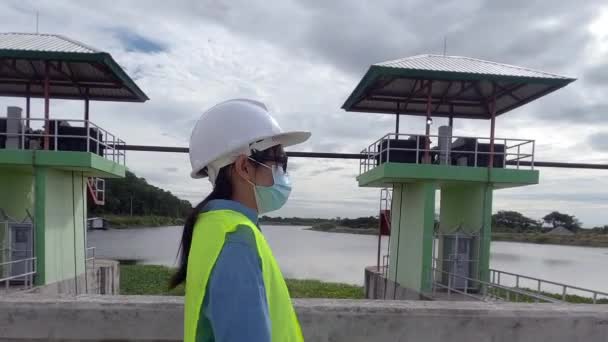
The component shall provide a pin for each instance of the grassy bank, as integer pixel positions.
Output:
(123, 222)
(332, 228)
(580, 239)
(574, 299)
(153, 280)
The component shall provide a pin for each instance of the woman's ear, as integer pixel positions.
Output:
(243, 168)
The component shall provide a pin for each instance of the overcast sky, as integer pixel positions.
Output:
(303, 58)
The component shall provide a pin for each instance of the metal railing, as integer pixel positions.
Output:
(515, 280)
(97, 140)
(26, 278)
(480, 290)
(384, 267)
(384, 218)
(90, 257)
(461, 151)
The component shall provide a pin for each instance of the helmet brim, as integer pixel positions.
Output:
(285, 139)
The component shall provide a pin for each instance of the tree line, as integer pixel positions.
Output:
(502, 221)
(514, 221)
(134, 196)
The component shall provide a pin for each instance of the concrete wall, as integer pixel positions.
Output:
(379, 287)
(16, 192)
(464, 208)
(16, 198)
(102, 277)
(411, 244)
(106, 318)
(64, 226)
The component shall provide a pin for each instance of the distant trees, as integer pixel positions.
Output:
(360, 222)
(133, 195)
(600, 230)
(557, 219)
(513, 220)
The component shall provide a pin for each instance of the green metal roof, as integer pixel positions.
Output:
(75, 70)
(459, 87)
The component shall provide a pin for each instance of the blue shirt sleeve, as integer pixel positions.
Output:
(235, 302)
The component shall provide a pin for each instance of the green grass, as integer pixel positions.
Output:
(153, 280)
(147, 280)
(574, 299)
(123, 222)
(317, 289)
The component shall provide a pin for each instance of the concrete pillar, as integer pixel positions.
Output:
(466, 210)
(60, 216)
(412, 221)
(16, 192)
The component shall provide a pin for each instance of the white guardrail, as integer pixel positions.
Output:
(447, 150)
(541, 286)
(90, 258)
(62, 135)
(26, 270)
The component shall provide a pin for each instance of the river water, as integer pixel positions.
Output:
(338, 257)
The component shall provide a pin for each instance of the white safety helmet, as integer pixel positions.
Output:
(232, 128)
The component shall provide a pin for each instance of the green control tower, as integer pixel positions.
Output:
(439, 187)
(48, 164)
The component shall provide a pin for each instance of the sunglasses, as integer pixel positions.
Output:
(280, 160)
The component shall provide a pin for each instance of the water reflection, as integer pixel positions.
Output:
(341, 257)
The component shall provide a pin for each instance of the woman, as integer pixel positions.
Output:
(234, 288)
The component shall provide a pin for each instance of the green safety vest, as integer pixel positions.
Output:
(207, 241)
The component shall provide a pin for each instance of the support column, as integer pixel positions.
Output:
(86, 121)
(492, 125)
(427, 143)
(397, 126)
(40, 175)
(486, 235)
(46, 106)
(412, 221)
(27, 107)
(466, 210)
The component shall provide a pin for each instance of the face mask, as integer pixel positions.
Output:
(271, 198)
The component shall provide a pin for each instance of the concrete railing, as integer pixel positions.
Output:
(124, 318)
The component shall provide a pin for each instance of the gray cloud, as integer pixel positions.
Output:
(597, 75)
(599, 141)
(303, 58)
(323, 171)
(351, 35)
(136, 43)
(580, 113)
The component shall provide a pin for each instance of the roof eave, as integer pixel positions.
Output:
(376, 71)
(98, 57)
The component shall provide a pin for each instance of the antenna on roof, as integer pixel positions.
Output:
(37, 16)
(445, 44)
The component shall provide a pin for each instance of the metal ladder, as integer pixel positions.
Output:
(97, 190)
(386, 197)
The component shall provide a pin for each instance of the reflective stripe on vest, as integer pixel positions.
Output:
(207, 241)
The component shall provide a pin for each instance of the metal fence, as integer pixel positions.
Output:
(63, 135)
(23, 279)
(541, 286)
(479, 290)
(90, 258)
(453, 150)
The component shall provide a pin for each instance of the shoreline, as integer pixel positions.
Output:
(118, 222)
(581, 240)
(345, 230)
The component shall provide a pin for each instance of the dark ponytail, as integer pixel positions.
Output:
(221, 190)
